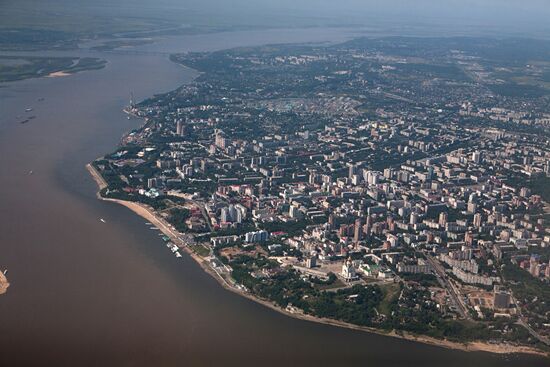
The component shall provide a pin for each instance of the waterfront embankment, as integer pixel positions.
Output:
(149, 214)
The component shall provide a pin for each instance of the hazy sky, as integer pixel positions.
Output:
(468, 11)
(512, 15)
(506, 16)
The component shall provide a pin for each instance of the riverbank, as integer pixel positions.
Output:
(14, 68)
(149, 215)
(4, 284)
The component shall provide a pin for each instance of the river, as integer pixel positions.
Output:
(88, 293)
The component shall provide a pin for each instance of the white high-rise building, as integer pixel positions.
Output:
(476, 157)
(233, 214)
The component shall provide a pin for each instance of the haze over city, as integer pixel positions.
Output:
(270, 183)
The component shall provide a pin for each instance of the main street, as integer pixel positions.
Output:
(453, 292)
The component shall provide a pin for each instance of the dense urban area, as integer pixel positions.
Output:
(400, 184)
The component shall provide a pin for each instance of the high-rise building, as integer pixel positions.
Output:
(477, 220)
(313, 177)
(295, 212)
(443, 219)
(204, 165)
(403, 176)
(413, 219)
(233, 214)
(352, 170)
(358, 230)
(345, 230)
(368, 226)
(534, 267)
(331, 221)
(430, 173)
(259, 236)
(180, 128)
(151, 183)
(220, 141)
(390, 221)
(224, 215)
(469, 238)
(476, 157)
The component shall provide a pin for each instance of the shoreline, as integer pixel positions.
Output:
(166, 229)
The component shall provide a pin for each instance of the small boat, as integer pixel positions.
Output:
(28, 109)
(5, 272)
(102, 220)
(27, 119)
(30, 172)
(177, 254)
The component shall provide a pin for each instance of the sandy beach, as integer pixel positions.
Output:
(149, 215)
(4, 284)
(57, 74)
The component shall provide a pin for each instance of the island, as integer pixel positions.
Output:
(393, 185)
(14, 68)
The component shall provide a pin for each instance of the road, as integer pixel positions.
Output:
(541, 338)
(204, 214)
(453, 292)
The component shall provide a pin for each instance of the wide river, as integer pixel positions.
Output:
(88, 293)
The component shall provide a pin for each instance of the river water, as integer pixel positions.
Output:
(88, 293)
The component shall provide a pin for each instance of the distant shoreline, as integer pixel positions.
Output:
(164, 227)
